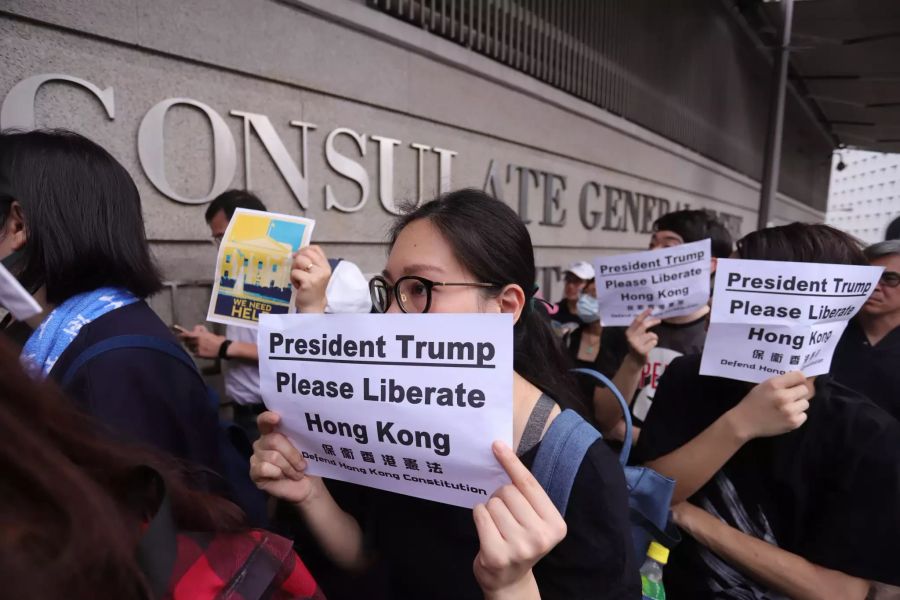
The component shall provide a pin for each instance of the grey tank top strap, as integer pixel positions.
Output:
(537, 420)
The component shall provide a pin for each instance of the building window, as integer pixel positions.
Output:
(274, 268)
(259, 265)
(227, 259)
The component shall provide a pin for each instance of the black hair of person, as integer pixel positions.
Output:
(82, 215)
(893, 230)
(491, 242)
(696, 225)
(232, 200)
(802, 242)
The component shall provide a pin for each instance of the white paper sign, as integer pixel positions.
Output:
(671, 281)
(770, 317)
(405, 403)
(15, 299)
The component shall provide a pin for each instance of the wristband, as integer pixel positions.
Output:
(223, 349)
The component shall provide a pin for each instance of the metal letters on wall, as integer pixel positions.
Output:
(151, 150)
(17, 111)
(600, 205)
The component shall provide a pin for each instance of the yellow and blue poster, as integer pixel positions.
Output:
(253, 270)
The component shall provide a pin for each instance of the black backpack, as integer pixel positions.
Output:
(234, 447)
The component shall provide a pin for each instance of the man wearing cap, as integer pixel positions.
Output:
(577, 276)
(347, 292)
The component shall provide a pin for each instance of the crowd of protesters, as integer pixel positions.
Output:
(121, 479)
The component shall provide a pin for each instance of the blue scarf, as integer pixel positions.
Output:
(62, 325)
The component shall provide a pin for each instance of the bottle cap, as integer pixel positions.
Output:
(658, 552)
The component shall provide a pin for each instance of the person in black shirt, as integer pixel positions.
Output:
(521, 546)
(71, 226)
(584, 344)
(867, 359)
(793, 485)
(635, 357)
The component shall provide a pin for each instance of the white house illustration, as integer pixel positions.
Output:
(261, 262)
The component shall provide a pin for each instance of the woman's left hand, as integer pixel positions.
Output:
(516, 528)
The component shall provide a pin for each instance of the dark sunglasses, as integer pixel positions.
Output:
(890, 279)
(413, 293)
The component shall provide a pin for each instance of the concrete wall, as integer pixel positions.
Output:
(338, 64)
(864, 197)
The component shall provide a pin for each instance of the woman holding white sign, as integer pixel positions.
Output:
(469, 253)
(794, 484)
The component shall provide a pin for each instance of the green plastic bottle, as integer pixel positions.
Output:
(652, 572)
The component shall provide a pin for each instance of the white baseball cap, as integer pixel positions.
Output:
(581, 270)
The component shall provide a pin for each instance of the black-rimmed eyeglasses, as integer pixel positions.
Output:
(413, 293)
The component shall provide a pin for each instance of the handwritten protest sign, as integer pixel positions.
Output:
(253, 270)
(405, 403)
(772, 317)
(15, 299)
(671, 281)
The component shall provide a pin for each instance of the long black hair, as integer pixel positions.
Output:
(82, 215)
(492, 243)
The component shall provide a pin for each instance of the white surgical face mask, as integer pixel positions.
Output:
(588, 309)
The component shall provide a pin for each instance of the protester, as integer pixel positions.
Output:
(867, 359)
(518, 540)
(73, 235)
(73, 505)
(347, 292)
(635, 357)
(576, 278)
(793, 484)
(237, 348)
(583, 344)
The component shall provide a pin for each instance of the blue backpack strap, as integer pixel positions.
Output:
(626, 411)
(560, 455)
(649, 493)
(119, 342)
